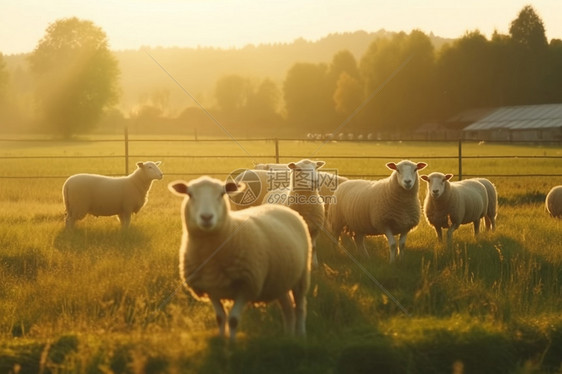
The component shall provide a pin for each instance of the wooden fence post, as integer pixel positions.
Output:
(276, 150)
(460, 159)
(126, 130)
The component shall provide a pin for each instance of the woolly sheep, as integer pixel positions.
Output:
(260, 182)
(553, 202)
(258, 254)
(451, 204)
(490, 217)
(271, 167)
(389, 206)
(100, 195)
(303, 197)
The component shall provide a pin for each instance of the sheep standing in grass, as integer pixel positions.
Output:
(271, 167)
(267, 180)
(451, 204)
(100, 195)
(258, 254)
(387, 207)
(303, 197)
(491, 213)
(553, 202)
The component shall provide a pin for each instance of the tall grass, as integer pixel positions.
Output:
(98, 299)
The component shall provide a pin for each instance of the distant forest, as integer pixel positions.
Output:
(358, 82)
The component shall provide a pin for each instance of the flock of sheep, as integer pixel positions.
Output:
(263, 249)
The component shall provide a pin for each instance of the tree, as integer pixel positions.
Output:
(348, 95)
(4, 78)
(528, 30)
(76, 75)
(464, 74)
(231, 93)
(530, 55)
(308, 97)
(398, 76)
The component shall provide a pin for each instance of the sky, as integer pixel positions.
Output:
(132, 24)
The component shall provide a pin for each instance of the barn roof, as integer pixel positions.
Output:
(525, 117)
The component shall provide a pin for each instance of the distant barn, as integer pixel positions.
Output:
(518, 123)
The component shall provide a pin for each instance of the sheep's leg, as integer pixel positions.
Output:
(402, 244)
(221, 315)
(360, 242)
(69, 221)
(125, 219)
(314, 255)
(439, 232)
(299, 296)
(476, 227)
(391, 244)
(450, 232)
(286, 302)
(235, 316)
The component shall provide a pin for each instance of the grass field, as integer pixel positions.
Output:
(99, 300)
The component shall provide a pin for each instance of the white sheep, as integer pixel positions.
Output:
(303, 197)
(258, 254)
(492, 211)
(272, 166)
(451, 204)
(389, 207)
(100, 195)
(553, 201)
(260, 182)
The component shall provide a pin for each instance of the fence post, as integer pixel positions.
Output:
(126, 130)
(460, 159)
(276, 150)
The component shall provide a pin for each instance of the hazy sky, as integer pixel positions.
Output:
(130, 24)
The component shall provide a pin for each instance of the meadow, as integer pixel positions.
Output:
(102, 300)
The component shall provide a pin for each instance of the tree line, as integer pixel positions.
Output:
(400, 82)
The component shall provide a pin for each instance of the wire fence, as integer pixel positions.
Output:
(271, 151)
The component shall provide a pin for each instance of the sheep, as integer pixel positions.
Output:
(389, 207)
(490, 218)
(254, 255)
(451, 204)
(260, 182)
(271, 167)
(553, 202)
(303, 196)
(100, 195)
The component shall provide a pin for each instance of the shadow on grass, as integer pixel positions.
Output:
(101, 239)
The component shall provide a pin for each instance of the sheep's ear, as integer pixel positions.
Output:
(140, 164)
(392, 166)
(232, 187)
(158, 163)
(179, 188)
(420, 165)
(292, 165)
(424, 177)
(319, 164)
(448, 176)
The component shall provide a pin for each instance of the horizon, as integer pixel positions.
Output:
(168, 24)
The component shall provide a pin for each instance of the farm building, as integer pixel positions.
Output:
(451, 129)
(526, 122)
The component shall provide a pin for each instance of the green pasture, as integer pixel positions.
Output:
(102, 300)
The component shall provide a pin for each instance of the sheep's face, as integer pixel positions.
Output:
(406, 172)
(436, 183)
(151, 169)
(205, 207)
(304, 174)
